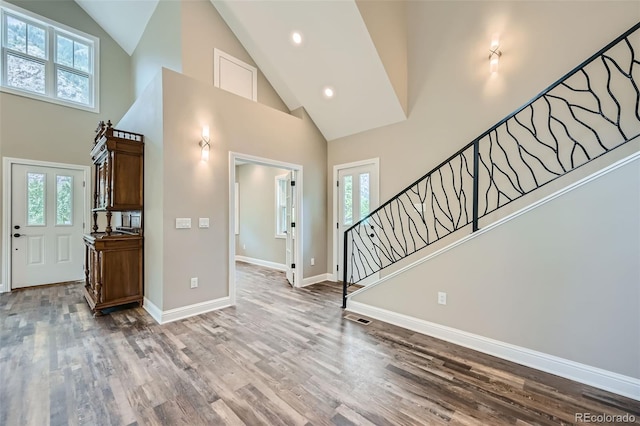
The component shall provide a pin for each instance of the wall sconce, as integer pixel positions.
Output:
(494, 55)
(204, 144)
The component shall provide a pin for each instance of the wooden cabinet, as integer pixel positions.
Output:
(114, 270)
(118, 159)
(114, 256)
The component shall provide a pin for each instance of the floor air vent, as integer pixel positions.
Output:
(357, 319)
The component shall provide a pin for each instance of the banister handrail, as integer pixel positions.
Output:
(513, 114)
(510, 159)
(562, 79)
(435, 169)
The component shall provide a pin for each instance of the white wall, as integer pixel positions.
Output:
(386, 23)
(39, 130)
(203, 29)
(562, 279)
(146, 117)
(160, 45)
(452, 98)
(192, 188)
(257, 213)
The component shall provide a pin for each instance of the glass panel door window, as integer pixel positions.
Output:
(281, 206)
(36, 199)
(64, 200)
(347, 201)
(364, 195)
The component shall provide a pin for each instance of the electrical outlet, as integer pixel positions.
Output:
(313, 261)
(194, 282)
(442, 298)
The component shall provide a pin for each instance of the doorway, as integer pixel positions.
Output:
(44, 216)
(287, 221)
(355, 195)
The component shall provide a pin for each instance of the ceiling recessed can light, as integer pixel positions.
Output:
(328, 92)
(296, 38)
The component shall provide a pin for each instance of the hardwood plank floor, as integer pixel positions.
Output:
(282, 356)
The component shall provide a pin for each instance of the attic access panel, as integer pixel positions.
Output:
(235, 76)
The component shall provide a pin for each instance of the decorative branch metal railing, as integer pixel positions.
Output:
(590, 111)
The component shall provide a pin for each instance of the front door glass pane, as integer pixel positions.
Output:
(64, 200)
(347, 201)
(364, 195)
(36, 198)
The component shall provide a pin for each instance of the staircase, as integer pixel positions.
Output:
(592, 110)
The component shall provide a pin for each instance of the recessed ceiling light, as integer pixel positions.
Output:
(328, 92)
(296, 38)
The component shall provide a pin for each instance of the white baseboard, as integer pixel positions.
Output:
(265, 263)
(316, 279)
(593, 376)
(163, 317)
(2, 289)
(153, 310)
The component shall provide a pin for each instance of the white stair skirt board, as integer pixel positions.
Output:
(316, 279)
(163, 317)
(265, 263)
(593, 376)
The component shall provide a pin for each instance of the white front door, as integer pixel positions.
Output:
(357, 197)
(47, 215)
(291, 229)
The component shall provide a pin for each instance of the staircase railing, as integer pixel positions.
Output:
(590, 111)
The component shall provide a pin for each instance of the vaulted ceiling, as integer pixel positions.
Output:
(338, 50)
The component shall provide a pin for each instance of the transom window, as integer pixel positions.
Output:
(46, 60)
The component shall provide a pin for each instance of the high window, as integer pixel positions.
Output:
(46, 60)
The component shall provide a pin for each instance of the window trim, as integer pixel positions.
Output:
(278, 179)
(52, 28)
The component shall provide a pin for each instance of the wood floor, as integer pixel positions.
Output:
(282, 356)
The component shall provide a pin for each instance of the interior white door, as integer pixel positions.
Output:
(47, 215)
(291, 229)
(357, 197)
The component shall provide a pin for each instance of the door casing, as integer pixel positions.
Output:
(235, 156)
(7, 163)
(375, 162)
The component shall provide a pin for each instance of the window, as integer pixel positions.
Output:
(36, 199)
(64, 200)
(281, 206)
(364, 195)
(347, 202)
(45, 60)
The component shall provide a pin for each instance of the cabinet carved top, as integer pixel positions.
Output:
(107, 131)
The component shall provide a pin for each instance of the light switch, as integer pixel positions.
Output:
(203, 222)
(183, 222)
